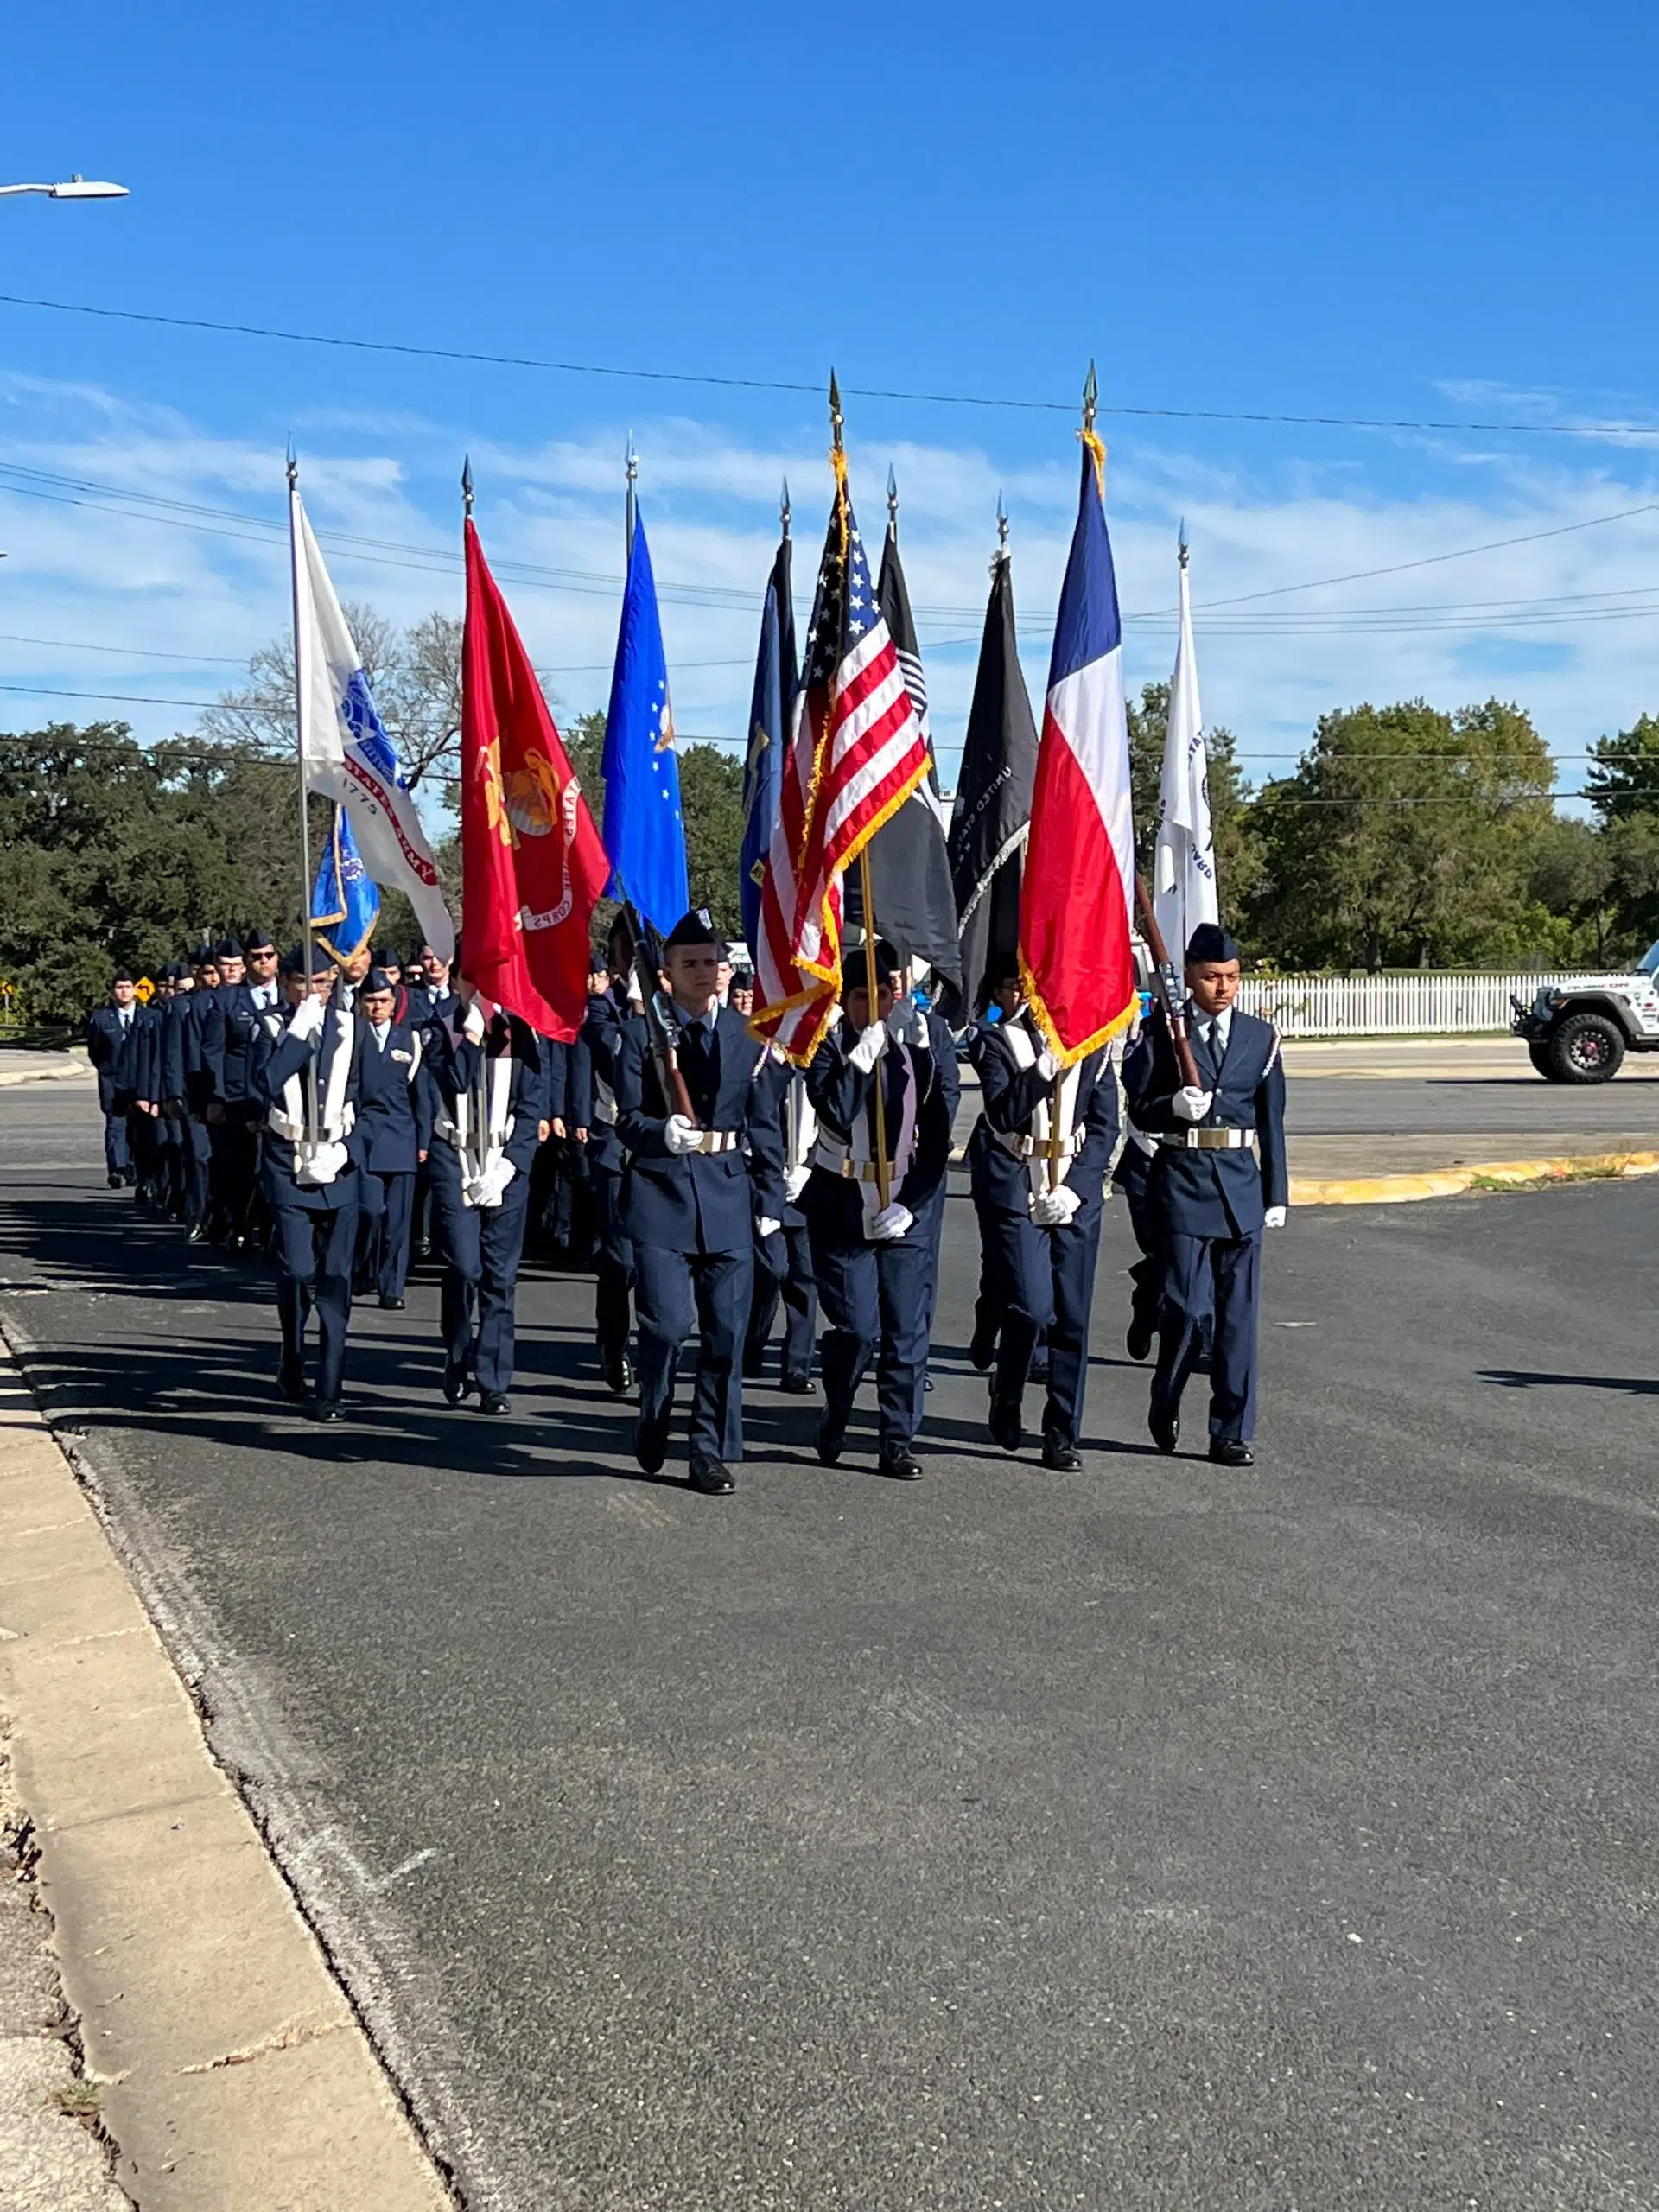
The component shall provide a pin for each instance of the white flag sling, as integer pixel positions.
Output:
(345, 748)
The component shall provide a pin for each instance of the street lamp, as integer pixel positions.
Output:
(77, 188)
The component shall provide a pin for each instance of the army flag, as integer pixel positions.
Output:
(1184, 891)
(532, 865)
(346, 754)
(991, 818)
(1075, 956)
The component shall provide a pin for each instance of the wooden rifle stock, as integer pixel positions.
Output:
(1169, 992)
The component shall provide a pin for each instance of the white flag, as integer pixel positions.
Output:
(347, 752)
(1183, 857)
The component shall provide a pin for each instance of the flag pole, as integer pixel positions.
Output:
(783, 510)
(867, 895)
(306, 939)
(630, 469)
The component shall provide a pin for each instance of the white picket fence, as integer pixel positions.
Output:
(1405, 1003)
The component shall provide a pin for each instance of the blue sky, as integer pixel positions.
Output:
(1424, 213)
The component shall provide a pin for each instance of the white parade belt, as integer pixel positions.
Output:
(835, 1159)
(1029, 1148)
(327, 1132)
(716, 1141)
(1206, 1140)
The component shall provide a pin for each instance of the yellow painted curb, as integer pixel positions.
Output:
(1448, 1182)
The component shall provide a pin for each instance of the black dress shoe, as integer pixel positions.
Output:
(832, 1437)
(712, 1476)
(1138, 1342)
(982, 1350)
(116, 1180)
(618, 1372)
(291, 1380)
(423, 1248)
(795, 1386)
(392, 1304)
(651, 1443)
(1165, 1424)
(1005, 1424)
(1038, 1370)
(1062, 1457)
(899, 1466)
(493, 1403)
(197, 1233)
(1230, 1452)
(927, 1381)
(456, 1383)
(326, 1410)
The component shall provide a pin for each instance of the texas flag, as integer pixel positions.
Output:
(1079, 880)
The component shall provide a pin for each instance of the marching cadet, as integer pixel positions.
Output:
(173, 1051)
(874, 1264)
(485, 1112)
(396, 1136)
(686, 1202)
(741, 997)
(308, 1077)
(430, 999)
(113, 1035)
(228, 1113)
(942, 1046)
(148, 1128)
(1213, 1193)
(593, 1081)
(783, 1260)
(203, 1030)
(1039, 1162)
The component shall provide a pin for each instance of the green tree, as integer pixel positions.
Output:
(1405, 837)
(1624, 775)
(1238, 859)
(711, 802)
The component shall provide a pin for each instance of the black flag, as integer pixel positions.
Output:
(910, 869)
(992, 815)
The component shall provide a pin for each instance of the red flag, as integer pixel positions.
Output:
(532, 865)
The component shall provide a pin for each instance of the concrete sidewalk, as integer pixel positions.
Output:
(231, 2069)
(22, 1063)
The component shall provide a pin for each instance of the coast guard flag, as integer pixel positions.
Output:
(643, 831)
(345, 903)
(771, 708)
(1184, 887)
(1074, 906)
(346, 754)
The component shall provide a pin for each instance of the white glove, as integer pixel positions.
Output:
(321, 1166)
(891, 1224)
(680, 1136)
(1190, 1104)
(1047, 1066)
(907, 1023)
(472, 1027)
(872, 1043)
(795, 1181)
(767, 1226)
(1275, 1217)
(308, 1018)
(1054, 1209)
(487, 1189)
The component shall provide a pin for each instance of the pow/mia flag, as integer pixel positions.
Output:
(770, 708)
(992, 815)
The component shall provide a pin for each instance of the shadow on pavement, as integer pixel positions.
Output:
(1512, 1378)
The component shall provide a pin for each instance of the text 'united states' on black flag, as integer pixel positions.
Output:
(909, 870)
(992, 815)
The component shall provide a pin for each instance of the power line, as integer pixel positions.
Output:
(779, 383)
(125, 653)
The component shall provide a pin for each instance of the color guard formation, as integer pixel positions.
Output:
(336, 1124)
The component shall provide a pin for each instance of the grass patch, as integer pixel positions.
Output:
(1598, 1171)
(78, 2099)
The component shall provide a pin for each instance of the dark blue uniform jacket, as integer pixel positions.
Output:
(840, 1092)
(1213, 1193)
(1009, 1096)
(395, 1113)
(699, 1202)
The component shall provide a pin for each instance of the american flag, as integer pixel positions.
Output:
(857, 752)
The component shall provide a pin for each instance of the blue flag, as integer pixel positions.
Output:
(770, 710)
(345, 903)
(643, 833)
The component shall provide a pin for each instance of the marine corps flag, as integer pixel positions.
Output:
(532, 866)
(1075, 954)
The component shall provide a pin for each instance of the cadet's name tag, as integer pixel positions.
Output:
(398, 1054)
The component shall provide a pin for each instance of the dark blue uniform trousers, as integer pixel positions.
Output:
(1049, 1277)
(614, 1263)
(118, 1151)
(384, 1231)
(674, 1293)
(783, 1269)
(314, 1273)
(481, 1247)
(875, 1299)
(1199, 1271)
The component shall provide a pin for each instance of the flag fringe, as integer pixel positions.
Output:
(1069, 1056)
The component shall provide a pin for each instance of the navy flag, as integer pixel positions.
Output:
(771, 707)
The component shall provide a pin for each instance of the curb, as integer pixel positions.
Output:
(231, 2068)
(1449, 1182)
(79, 1071)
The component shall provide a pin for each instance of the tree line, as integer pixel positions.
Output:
(1405, 836)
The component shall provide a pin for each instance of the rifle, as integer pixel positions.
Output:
(1169, 991)
(662, 1022)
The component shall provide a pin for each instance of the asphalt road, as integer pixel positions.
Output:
(1154, 1836)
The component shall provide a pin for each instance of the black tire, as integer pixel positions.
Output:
(1585, 1048)
(1538, 1053)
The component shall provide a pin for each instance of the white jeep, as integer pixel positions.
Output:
(1580, 1031)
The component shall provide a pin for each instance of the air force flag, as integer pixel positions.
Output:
(345, 749)
(643, 833)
